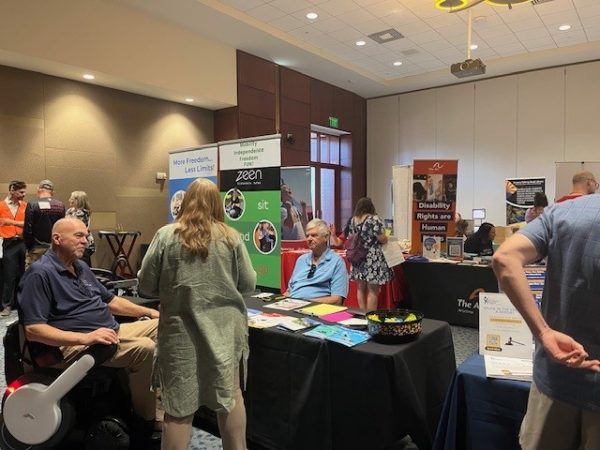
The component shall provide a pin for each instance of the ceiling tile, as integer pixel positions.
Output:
(306, 32)
(287, 23)
(385, 8)
(290, 6)
(266, 13)
(372, 26)
(553, 7)
(423, 38)
(243, 5)
(337, 7)
(356, 16)
(329, 25)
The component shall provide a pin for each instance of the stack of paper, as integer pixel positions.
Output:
(265, 320)
(508, 368)
(321, 309)
(288, 304)
(341, 335)
(336, 317)
(297, 323)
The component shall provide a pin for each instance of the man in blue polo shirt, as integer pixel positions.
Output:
(62, 304)
(320, 275)
(563, 411)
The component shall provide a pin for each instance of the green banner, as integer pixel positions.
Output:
(250, 189)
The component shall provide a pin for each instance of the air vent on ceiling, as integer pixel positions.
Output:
(410, 52)
(385, 36)
(538, 2)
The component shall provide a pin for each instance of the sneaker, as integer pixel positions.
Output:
(5, 312)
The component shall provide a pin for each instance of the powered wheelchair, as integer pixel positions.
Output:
(85, 406)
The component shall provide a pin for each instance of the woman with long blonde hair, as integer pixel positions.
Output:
(200, 269)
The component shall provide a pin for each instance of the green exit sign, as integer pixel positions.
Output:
(333, 122)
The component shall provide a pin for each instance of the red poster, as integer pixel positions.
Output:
(434, 202)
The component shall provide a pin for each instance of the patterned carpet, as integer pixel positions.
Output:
(465, 343)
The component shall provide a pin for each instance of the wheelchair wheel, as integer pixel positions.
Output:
(9, 442)
(110, 433)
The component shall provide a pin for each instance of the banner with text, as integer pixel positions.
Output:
(434, 204)
(520, 193)
(184, 167)
(250, 188)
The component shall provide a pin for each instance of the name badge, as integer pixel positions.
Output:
(44, 205)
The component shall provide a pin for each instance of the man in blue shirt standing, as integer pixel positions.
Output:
(320, 275)
(563, 412)
(62, 304)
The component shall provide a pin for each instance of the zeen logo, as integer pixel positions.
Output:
(437, 167)
(245, 176)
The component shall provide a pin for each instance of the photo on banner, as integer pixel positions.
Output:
(184, 167)
(296, 202)
(434, 202)
(520, 193)
(250, 181)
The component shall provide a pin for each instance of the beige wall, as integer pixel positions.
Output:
(122, 46)
(513, 126)
(106, 142)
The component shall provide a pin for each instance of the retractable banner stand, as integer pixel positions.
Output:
(519, 197)
(434, 204)
(184, 167)
(250, 188)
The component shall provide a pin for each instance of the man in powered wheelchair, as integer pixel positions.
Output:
(64, 309)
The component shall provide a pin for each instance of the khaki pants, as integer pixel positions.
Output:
(135, 354)
(554, 425)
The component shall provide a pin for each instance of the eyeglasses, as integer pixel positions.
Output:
(311, 272)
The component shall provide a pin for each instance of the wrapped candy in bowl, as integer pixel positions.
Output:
(394, 326)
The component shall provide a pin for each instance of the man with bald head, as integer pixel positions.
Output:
(584, 183)
(62, 304)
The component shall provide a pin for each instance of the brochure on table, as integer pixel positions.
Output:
(504, 338)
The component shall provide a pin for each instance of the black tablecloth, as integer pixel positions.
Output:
(481, 413)
(449, 292)
(309, 394)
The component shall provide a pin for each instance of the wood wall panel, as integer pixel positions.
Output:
(294, 85)
(256, 72)
(301, 145)
(251, 126)
(293, 158)
(321, 102)
(293, 111)
(226, 124)
(255, 102)
(343, 109)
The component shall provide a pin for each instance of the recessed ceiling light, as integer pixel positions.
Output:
(189, 100)
(474, 46)
(312, 15)
(360, 43)
(564, 27)
(89, 76)
(397, 63)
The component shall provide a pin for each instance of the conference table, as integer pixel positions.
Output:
(480, 412)
(392, 295)
(307, 393)
(447, 291)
